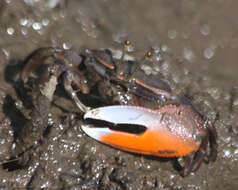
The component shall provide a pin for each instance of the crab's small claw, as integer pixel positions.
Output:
(159, 138)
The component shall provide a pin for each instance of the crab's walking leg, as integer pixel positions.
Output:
(33, 130)
(213, 142)
(193, 161)
(200, 154)
(38, 57)
(187, 165)
(68, 80)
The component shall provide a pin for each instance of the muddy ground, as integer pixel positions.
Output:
(196, 44)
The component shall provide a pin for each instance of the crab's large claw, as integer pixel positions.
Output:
(157, 139)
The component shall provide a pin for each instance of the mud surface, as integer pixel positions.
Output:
(196, 44)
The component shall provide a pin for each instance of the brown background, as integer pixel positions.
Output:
(202, 35)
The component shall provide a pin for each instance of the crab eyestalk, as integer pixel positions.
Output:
(127, 47)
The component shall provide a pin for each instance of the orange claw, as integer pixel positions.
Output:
(168, 133)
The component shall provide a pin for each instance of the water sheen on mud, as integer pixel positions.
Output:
(196, 45)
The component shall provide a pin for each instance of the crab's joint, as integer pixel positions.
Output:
(67, 80)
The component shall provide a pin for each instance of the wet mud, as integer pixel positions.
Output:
(195, 47)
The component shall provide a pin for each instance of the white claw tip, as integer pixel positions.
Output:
(96, 133)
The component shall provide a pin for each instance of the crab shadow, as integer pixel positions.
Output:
(11, 107)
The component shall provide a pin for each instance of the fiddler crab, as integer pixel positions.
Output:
(172, 127)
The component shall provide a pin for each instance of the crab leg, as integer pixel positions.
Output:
(157, 139)
(68, 78)
(39, 57)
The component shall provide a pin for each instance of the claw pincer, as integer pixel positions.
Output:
(171, 131)
(167, 133)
